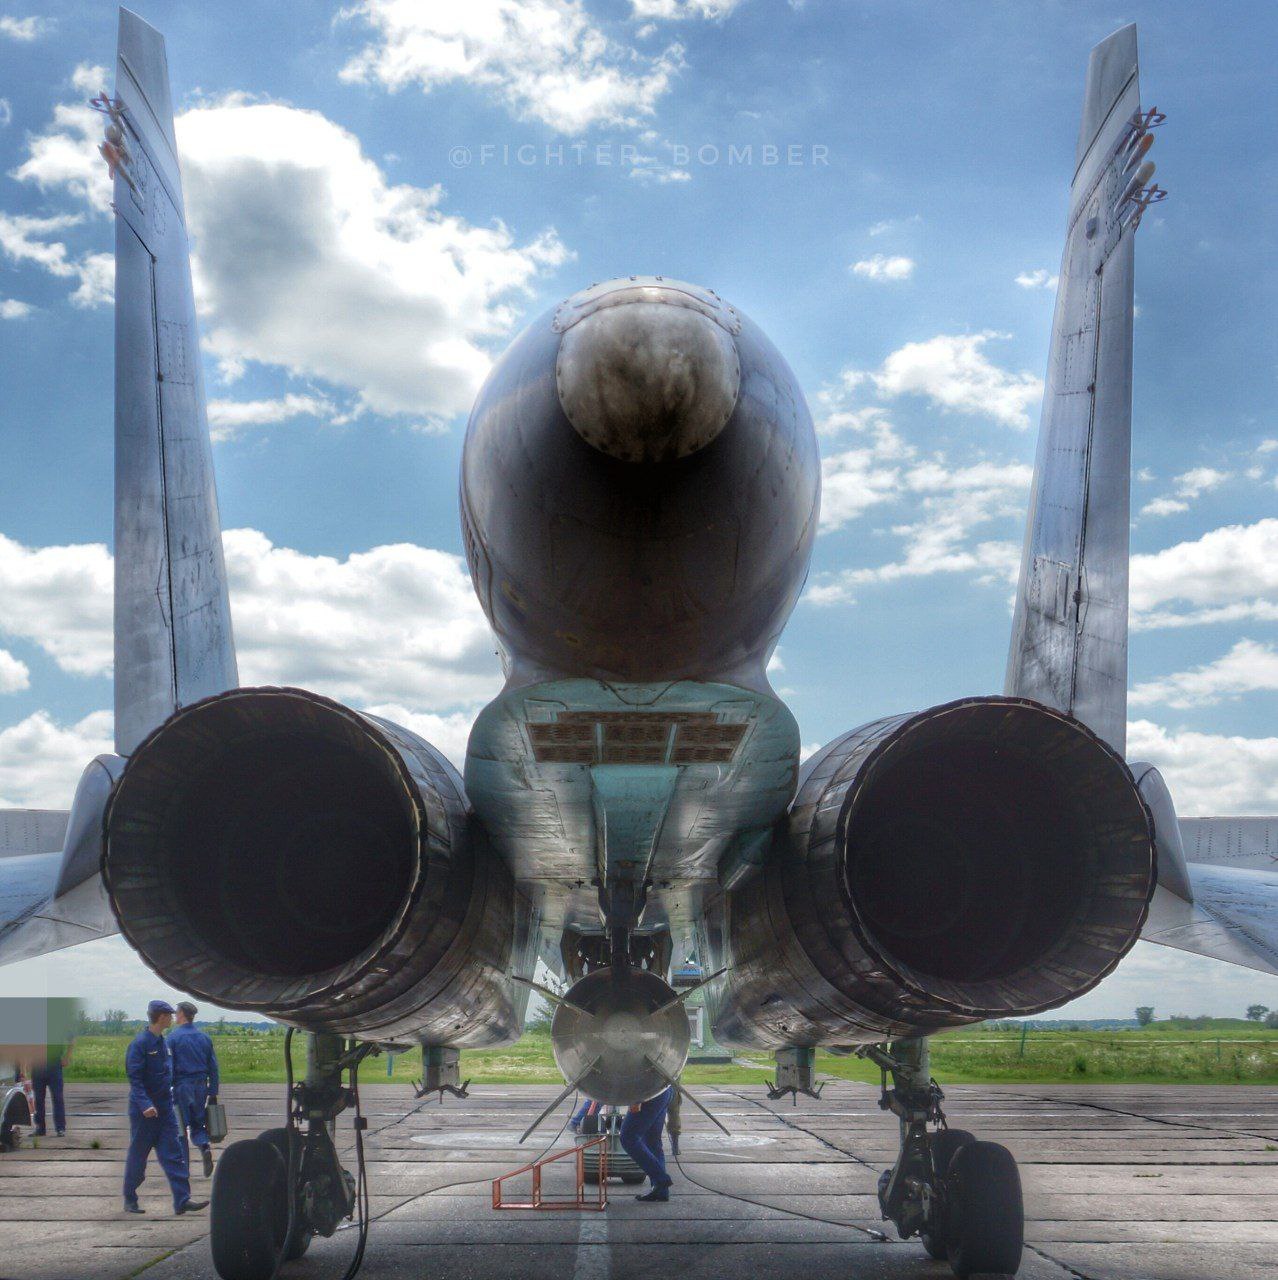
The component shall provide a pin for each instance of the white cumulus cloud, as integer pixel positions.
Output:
(285, 206)
(1186, 489)
(23, 30)
(12, 309)
(307, 258)
(28, 239)
(1040, 278)
(60, 599)
(955, 374)
(1210, 773)
(676, 10)
(231, 418)
(884, 267)
(544, 60)
(41, 760)
(1249, 667)
(1228, 574)
(394, 625)
(15, 675)
(952, 504)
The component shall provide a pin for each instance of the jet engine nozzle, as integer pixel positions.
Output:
(620, 1036)
(988, 858)
(270, 849)
(647, 373)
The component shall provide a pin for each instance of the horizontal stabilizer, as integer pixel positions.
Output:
(173, 642)
(27, 831)
(26, 880)
(41, 923)
(1233, 917)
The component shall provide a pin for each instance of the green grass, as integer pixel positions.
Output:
(1228, 1052)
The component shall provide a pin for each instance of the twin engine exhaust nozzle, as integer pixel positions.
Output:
(272, 850)
(989, 858)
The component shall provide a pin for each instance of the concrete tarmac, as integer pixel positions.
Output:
(1121, 1183)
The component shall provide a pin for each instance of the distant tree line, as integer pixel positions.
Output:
(118, 1022)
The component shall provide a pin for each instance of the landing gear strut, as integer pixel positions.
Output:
(272, 1193)
(960, 1196)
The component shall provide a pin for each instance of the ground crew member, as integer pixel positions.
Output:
(194, 1080)
(48, 1076)
(641, 1141)
(152, 1121)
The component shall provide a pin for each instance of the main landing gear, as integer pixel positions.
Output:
(273, 1193)
(962, 1197)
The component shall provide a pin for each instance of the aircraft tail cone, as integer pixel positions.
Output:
(648, 380)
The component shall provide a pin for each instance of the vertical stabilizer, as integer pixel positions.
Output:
(173, 641)
(1069, 637)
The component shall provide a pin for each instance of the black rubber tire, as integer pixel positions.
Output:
(244, 1227)
(632, 1179)
(301, 1238)
(986, 1222)
(945, 1146)
(10, 1137)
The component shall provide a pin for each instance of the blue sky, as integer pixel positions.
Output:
(380, 198)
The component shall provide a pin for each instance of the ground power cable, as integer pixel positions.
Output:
(872, 1232)
(463, 1182)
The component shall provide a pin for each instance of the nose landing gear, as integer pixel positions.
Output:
(961, 1196)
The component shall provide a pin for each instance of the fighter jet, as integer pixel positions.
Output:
(639, 495)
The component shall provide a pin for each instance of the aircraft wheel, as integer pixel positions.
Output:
(632, 1179)
(301, 1238)
(985, 1226)
(245, 1230)
(945, 1144)
(10, 1137)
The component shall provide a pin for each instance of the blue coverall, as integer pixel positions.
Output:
(194, 1080)
(49, 1077)
(150, 1072)
(641, 1138)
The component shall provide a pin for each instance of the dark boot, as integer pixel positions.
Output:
(658, 1195)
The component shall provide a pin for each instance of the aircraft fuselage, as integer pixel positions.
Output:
(639, 495)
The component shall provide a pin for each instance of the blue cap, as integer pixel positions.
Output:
(157, 1007)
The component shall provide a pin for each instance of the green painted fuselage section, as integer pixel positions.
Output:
(579, 782)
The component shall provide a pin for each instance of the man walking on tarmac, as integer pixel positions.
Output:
(194, 1080)
(152, 1121)
(641, 1141)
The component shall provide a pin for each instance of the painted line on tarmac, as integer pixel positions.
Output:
(594, 1258)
